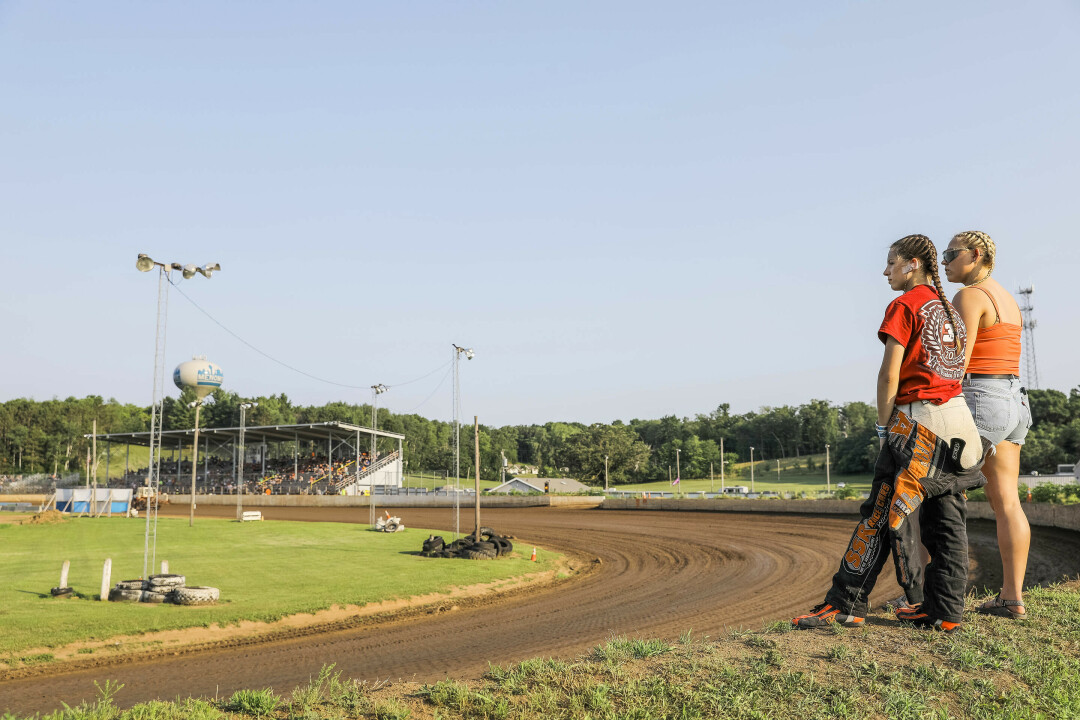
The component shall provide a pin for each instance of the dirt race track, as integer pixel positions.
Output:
(660, 574)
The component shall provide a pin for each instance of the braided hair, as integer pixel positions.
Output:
(975, 239)
(922, 248)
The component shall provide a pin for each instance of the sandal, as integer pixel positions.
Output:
(1001, 608)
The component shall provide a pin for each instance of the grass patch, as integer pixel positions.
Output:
(265, 571)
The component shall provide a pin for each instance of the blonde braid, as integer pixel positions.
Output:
(921, 247)
(975, 239)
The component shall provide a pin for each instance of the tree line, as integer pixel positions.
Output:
(48, 436)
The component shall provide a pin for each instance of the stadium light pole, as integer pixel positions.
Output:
(469, 354)
(828, 483)
(605, 473)
(144, 263)
(678, 470)
(240, 477)
(376, 390)
(751, 468)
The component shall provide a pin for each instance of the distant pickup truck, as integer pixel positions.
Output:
(736, 490)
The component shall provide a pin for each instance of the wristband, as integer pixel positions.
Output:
(882, 431)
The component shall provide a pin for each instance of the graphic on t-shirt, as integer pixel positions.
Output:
(939, 341)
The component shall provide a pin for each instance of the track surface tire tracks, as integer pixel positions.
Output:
(661, 574)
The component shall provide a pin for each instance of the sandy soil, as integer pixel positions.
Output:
(660, 574)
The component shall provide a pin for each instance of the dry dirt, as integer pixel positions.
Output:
(661, 574)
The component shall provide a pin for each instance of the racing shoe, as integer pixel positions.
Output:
(825, 614)
(918, 618)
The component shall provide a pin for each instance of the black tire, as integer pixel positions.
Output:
(458, 545)
(195, 595)
(502, 545)
(123, 595)
(132, 585)
(148, 596)
(61, 592)
(167, 581)
(476, 555)
(434, 543)
(484, 548)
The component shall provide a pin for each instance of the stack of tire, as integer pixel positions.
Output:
(164, 588)
(490, 546)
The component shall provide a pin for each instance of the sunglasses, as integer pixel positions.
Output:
(949, 255)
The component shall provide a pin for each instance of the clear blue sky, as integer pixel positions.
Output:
(628, 209)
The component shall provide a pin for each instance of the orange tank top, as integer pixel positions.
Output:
(997, 348)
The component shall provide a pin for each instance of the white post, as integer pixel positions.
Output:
(164, 567)
(106, 577)
(64, 573)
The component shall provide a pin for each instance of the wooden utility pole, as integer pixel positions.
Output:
(476, 431)
(194, 457)
(722, 464)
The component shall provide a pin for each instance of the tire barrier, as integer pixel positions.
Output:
(490, 546)
(165, 588)
(61, 592)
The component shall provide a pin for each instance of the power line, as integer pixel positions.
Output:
(290, 367)
(437, 388)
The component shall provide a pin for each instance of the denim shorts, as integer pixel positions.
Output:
(1000, 408)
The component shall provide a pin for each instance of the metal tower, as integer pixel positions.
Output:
(1031, 369)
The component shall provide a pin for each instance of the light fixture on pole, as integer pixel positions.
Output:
(144, 263)
(244, 407)
(469, 354)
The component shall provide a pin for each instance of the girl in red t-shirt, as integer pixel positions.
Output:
(924, 338)
(919, 381)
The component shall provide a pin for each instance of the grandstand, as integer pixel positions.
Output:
(313, 458)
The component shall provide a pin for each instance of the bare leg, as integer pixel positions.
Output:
(1002, 470)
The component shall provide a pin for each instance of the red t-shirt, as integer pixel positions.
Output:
(932, 367)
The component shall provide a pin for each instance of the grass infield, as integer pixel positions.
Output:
(992, 669)
(265, 571)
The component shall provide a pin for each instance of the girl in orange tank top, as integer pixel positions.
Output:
(996, 399)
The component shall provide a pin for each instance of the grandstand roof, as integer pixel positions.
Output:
(263, 433)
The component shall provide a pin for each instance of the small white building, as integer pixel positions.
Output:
(540, 485)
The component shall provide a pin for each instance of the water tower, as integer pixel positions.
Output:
(204, 377)
(199, 374)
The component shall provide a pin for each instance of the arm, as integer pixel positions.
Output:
(971, 306)
(888, 379)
